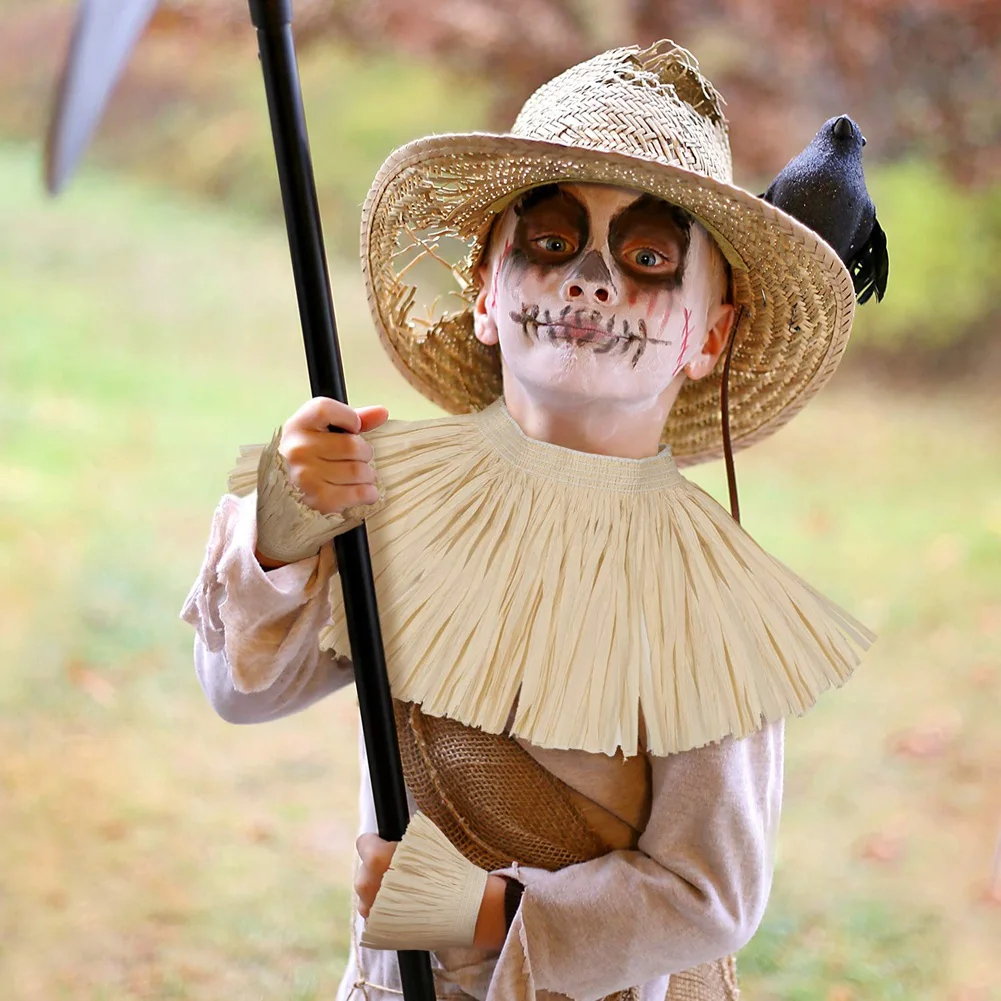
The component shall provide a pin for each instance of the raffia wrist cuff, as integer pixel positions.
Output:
(430, 896)
(288, 529)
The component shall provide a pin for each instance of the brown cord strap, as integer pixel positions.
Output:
(512, 900)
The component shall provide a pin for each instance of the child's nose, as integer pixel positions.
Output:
(587, 292)
(591, 283)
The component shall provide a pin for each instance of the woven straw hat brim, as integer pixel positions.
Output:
(795, 296)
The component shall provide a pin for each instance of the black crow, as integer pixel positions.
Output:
(824, 188)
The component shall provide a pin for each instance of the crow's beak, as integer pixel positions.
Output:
(843, 128)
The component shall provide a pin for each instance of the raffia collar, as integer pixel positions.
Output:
(569, 467)
(594, 591)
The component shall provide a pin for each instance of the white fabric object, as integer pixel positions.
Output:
(261, 626)
(430, 896)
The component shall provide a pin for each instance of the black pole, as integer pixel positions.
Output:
(273, 21)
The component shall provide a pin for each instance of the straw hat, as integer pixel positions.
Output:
(639, 118)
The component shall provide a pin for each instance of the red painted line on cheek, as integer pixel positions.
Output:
(497, 271)
(686, 333)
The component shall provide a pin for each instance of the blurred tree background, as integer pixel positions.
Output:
(922, 78)
(148, 326)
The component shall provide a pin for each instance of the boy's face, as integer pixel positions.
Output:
(599, 291)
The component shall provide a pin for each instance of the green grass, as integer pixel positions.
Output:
(864, 949)
(943, 243)
(148, 850)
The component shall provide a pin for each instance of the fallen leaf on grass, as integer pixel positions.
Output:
(990, 619)
(56, 899)
(991, 895)
(984, 676)
(114, 830)
(969, 994)
(90, 682)
(930, 738)
(840, 992)
(260, 834)
(882, 847)
(819, 521)
(168, 916)
(191, 974)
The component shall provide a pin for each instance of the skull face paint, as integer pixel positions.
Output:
(597, 291)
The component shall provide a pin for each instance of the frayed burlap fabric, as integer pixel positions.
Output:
(497, 805)
(644, 119)
(708, 982)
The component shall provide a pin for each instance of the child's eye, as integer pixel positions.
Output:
(647, 258)
(553, 244)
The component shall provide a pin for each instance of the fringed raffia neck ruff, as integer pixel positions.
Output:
(568, 467)
(597, 591)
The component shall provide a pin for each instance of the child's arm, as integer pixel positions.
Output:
(695, 891)
(257, 633)
(257, 626)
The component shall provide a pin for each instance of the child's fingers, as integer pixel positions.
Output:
(321, 412)
(376, 856)
(372, 417)
(372, 850)
(309, 447)
(334, 500)
(332, 471)
(337, 474)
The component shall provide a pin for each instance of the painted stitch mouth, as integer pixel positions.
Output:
(585, 327)
(578, 331)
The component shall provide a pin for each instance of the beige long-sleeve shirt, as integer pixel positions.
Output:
(692, 889)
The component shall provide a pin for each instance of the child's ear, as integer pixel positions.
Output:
(720, 322)
(484, 322)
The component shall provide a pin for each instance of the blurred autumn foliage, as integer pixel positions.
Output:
(920, 76)
(923, 76)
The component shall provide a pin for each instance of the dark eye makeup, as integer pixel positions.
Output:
(552, 226)
(649, 239)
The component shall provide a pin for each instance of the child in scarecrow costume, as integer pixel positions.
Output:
(590, 660)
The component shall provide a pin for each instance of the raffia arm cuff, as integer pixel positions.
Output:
(288, 529)
(430, 896)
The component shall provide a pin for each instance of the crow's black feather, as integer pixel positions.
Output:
(824, 188)
(871, 266)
